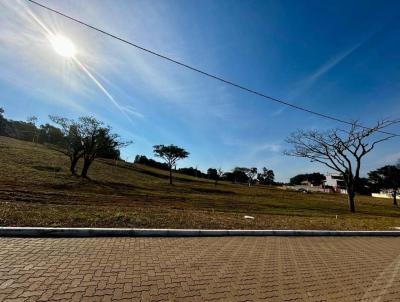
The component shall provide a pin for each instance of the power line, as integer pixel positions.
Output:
(323, 115)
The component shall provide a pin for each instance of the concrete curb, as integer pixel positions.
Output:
(126, 232)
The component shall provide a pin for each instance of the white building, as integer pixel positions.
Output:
(335, 182)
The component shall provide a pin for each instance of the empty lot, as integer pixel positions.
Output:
(36, 189)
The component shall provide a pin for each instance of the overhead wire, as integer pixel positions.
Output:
(207, 74)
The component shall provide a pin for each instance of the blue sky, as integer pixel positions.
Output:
(337, 57)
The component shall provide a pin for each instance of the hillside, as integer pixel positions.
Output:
(36, 189)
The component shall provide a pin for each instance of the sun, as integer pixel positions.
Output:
(63, 46)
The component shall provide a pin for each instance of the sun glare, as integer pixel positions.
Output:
(63, 46)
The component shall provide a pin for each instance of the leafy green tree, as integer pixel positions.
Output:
(215, 174)
(170, 154)
(298, 179)
(315, 178)
(212, 174)
(192, 172)
(229, 176)
(239, 175)
(387, 177)
(267, 177)
(250, 173)
(365, 186)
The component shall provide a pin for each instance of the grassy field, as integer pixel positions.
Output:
(36, 189)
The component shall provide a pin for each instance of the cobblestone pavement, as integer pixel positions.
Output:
(200, 269)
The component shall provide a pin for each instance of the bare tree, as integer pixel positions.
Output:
(340, 150)
(171, 154)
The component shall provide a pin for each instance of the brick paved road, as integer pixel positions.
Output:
(200, 269)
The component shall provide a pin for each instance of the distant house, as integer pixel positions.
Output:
(335, 183)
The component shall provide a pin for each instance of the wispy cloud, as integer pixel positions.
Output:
(252, 149)
(132, 111)
(325, 68)
(269, 147)
(278, 111)
(308, 82)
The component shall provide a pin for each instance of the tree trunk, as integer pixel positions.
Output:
(395, 198)
(170, 175)
(351, 194)
(86, 165)
(74, 162)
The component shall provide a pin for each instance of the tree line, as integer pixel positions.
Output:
(85, 138)
(43, 134)
(315, 179)
(88, 138)
(238, 175)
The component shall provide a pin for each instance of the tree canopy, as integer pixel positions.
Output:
(315, 178)
(170, 154)
(387, 177)
(267, 177)
(89, 139)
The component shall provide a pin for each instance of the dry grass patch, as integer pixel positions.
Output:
(36, 189)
